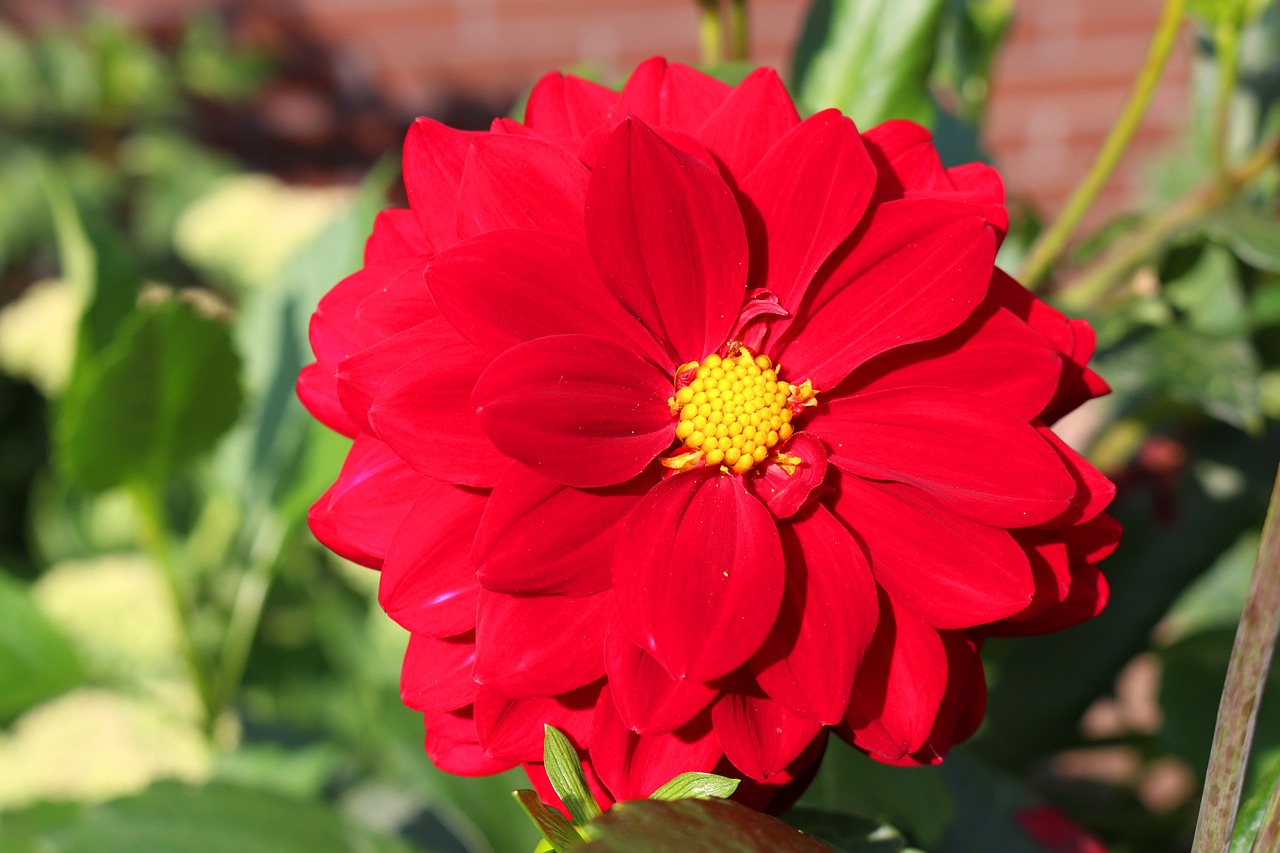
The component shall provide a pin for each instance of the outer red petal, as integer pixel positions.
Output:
(428, 584)
(962, 705)
(671, 94)
(437, 672)
(826, 622)
(912, 272)
(634, 766)
(361, 376)
(666, 235)
(758, 734)
(540, 645)
(503, 288)
(1094, 491)
(512, 729)
(570, 106)
(949, 571)
(520, 182)
(318, 394)
(648, 700)
(699, 574)
(357, 515)
(581, 410)
(973, 456)
(452, 746)
(433, 161)
(806, 196)
(755, 115)
(396, 234)
(540, 537)
(905, 159)
(784, 788)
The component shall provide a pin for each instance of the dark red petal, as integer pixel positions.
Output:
(784, 494)
(648, 700)
(699, 574)
(540, 645)
(540, 537)
(428, 584)
(634, 765)
(503, 288)
(905, 159)
(318, 393)
(424, 411)
(973, 456)
(666, 235)
(396, 234)
(521, 182)
(437, 672)
(755, 115)
(758, 734)
(566, 105)
(963, 703)
(433, 162)
(806, 196)
(512, 729)
(827, 618)
(784, 788)
(361, 376)
(1094, 491)
(899, 687)
(451, 744)
(356, 517)
(992, 354)
(914, 271)
(581, 410)
(951, 572)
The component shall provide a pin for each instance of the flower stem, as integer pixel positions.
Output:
(711, 32)
(1049, 245)
(739, 32)
(1246, 678)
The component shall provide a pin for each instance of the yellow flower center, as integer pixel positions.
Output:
(734, 409)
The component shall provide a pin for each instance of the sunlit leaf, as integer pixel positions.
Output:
(702, 786)
(36, 661)
(564, 769)
(693, 826)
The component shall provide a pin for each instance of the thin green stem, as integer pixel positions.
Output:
(1046, 249)
(1246, 677)
(711, 32)
(1226, 41)
(1268, 837)
(739, 31)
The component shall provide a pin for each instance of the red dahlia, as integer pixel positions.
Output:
(695, 429)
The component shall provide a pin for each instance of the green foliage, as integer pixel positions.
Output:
(702, 786)
(37, 662)
(564, 769)
(694, 826)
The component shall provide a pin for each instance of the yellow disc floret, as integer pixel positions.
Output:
(733, 410)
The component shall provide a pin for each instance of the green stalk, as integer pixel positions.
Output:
(711, 32)
(1268, 837)
(739, 32)
(1049, 245)
(1226, 40)
(1246, 678)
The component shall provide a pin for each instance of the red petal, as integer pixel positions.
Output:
(437, 672)
(512, 729)
(671, 94)
(539, 537)
(950, 571)
(981, 185)
(970, 454)
(807, 194)
(356, 517)
(666, 235)
(521, 182)
(568, 106)
(992, 354)
(1094, 491)
(648, 700)
(758, 734)
(905, 159)
(784, 494)
(784, 788)
(396, 234)
(428, 584)
(433, 162)
(334, 333)
(361, 376)
(540, 645)
(634, 766)
(424, 411)
(318, 392)
(699, 574)
(914, 271)
(827, 618)
(899, 687)
(581, 410)
(451, 744)
(751, 119)
(503, 288)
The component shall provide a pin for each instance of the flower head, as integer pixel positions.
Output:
(697, 430)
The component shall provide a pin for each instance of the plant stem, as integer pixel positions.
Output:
(711, 32)
(1226, 41)
(1246, 678)
(739, 32)
(1049, 245)
(1268, 837)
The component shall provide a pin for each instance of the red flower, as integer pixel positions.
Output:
(695, 429)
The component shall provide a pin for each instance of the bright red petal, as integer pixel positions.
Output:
(540, 645)
(755, 115)
(437, 672)
(785, 494)
(433, 161)
(452, 746)
(361, 376)
(581, 410)
(396, 234)
(648, 700)
(512, 729)
(568, 106)
(758, 734)
(699, 574)
(671, 94)
(521, 182)
(666, 235)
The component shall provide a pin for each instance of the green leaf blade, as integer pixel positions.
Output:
(698, 786)
(564, 769)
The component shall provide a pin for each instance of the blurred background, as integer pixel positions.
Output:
(182, 667)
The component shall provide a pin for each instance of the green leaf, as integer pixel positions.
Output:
(213, 819)
(558, 832)
(564, 769)
(158, 396)
(37, 662)
(869, 58)
(693, 826)
(1254, 808)
(1210, 295)
(1252, 235)
(848, 833)
(698, 786)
